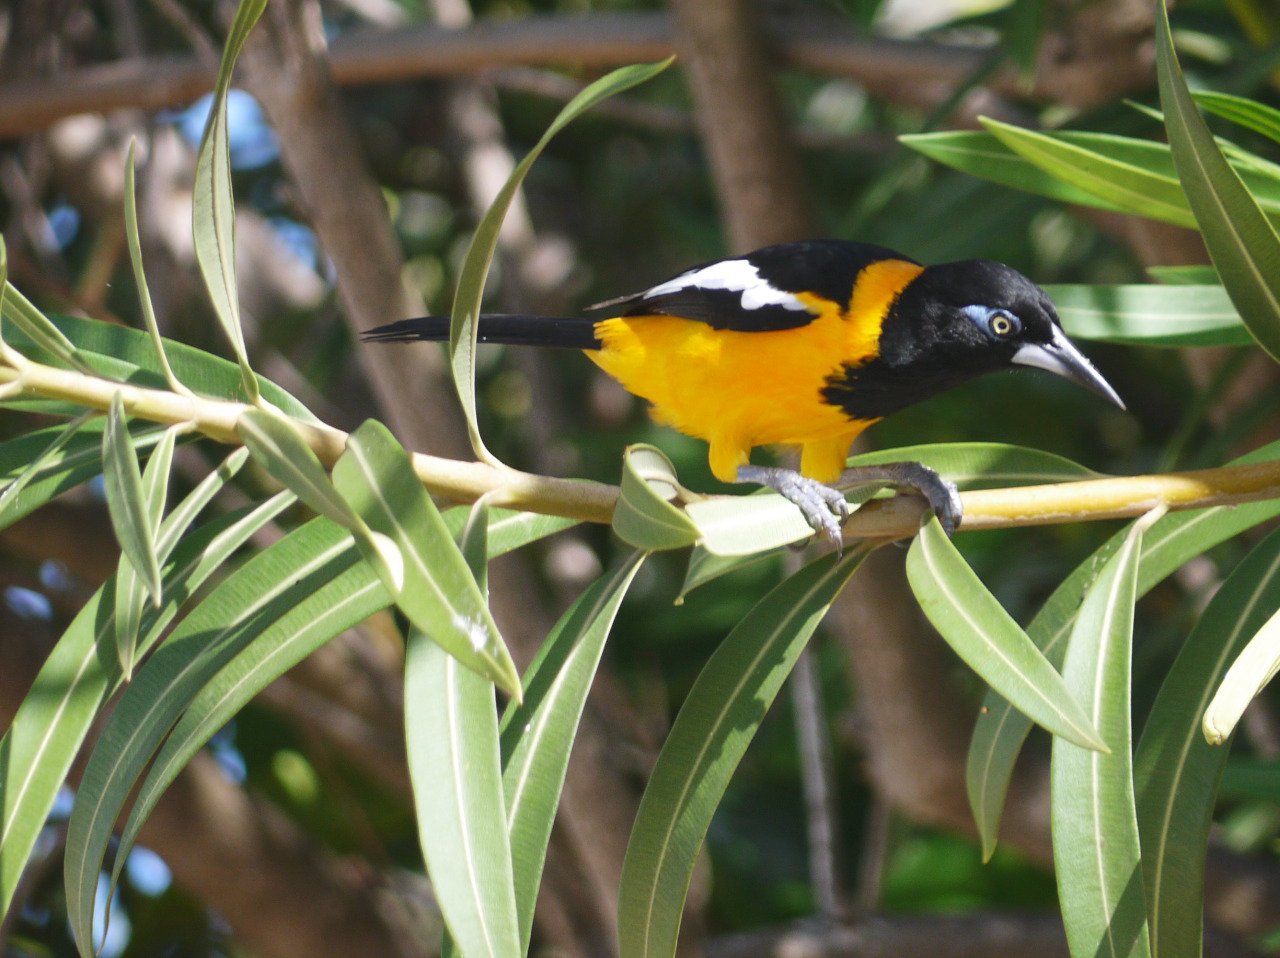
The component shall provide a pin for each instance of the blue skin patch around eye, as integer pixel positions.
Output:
(981, 316)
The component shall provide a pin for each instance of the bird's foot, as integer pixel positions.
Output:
(824, 508)
(941, 494)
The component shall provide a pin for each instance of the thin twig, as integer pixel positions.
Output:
(818, 771)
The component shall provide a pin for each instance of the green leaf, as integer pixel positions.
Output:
(1024, 28)
(1176, 771)
(1123, 185)
(743, 525)
(139, 275)
(118, 352)
(1000, 729)
(1241, 242)
(1242, 111)
(47, 459)
(1253, 669)
(335, 606)
(438, 592)
(508, 529)
(80, 675)
(1096, 854)
(475, 266)
(983, 465)
(644, 518)
(130, 517)
(1149, 315)
(451, 731)
(130, 595)
(473, 543)
(277, 584)
(980, 154)
(982, 633)
(719, 718)
(1196, 275)
(706, 567)
(536, 736)
(213, 206)
(37, 328)
(285, 455)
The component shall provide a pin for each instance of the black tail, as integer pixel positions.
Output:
(494, 328)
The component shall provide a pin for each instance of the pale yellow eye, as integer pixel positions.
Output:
(1001, 325)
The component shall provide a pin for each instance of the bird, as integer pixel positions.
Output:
(805, 344)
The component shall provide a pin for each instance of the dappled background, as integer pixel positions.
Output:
(366, 138)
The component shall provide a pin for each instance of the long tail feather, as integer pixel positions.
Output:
(510, 330)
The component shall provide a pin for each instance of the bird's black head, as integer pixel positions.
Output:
(957, 321)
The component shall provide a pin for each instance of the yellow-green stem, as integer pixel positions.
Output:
(1111, 498)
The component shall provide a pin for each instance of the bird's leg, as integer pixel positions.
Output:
(940, 493)
(823, 508)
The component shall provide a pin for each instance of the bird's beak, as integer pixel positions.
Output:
(1060, 356)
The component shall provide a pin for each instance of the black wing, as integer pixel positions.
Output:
(756, 292)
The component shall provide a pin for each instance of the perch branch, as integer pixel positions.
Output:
(897, 518)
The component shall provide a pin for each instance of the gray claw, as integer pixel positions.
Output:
(824, 508)
(942, 495)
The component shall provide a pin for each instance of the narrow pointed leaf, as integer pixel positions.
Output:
(46, 461)
(130, 517)
(1143, 314)
(451, 731)
(213, 206)
(1241, 242)
(134, 243)
(1130, 187)
(738, 525)
(345, 600)
(983, 465)
(130, 595)
(719, 718)
(1000, 729)
(536, 736)
(79, 676)
(1194, 275)
(475, 266)
(508, 529)
(125, 354)
(439, 594)
(1096, 854)
(644, 518)
(1249, 674)
(277, 584)
(473, 543)
(278, 448)
(1242, 111)
(982, 633)
(37, 328)
(980, 154)
(1176, 772)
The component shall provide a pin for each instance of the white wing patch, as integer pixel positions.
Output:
(733, 275)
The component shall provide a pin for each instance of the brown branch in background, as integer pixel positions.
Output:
(981, 935)
(753, 160)
(916, 73)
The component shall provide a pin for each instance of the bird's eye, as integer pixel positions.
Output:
(995, 322)
(1002, 324)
